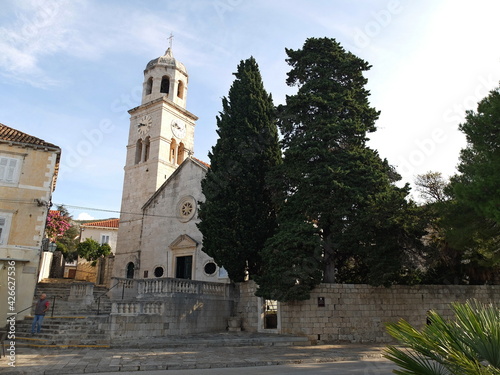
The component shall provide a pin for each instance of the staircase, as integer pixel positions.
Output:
(71, 323)
(58, 294)
(74, 331)
(68, 323)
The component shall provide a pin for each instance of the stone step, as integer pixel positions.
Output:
(64, 331)
(58, 330)
(216, 339)
(58, 294)
(75, 322)
(34, 342)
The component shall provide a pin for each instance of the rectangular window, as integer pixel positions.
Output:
(9, 170)
(5, 219)
(2, 225)
(104, 239)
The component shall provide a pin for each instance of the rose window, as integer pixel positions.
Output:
(186, 209)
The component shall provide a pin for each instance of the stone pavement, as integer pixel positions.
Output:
(193, 354)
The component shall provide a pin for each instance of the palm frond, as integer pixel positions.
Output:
(467, 345)
(414, 363)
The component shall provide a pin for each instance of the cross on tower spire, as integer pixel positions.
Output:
(170, 39)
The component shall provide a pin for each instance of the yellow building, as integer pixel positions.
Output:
(28, 173)
(104, 231)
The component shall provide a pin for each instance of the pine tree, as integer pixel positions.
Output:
(478, 184)
(238, 216)
(332, 184)
(461, 244)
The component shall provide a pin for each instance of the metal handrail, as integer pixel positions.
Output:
(102, 294)
(30, 307)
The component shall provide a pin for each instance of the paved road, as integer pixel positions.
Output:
(224, 355)
(363, 367)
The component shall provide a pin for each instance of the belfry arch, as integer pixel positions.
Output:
(165, 85)
(180, 153)
(149, 86)
(138, 151)
(180, 89)
(173, 151)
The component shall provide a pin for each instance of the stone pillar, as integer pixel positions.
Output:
(175, 153)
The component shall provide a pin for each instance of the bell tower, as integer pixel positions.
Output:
(161, 137)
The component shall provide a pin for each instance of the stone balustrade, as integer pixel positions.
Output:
(122, 288)
(82, 292)
(167, 286)
(134, 308)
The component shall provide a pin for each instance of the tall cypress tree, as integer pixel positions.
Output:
(337, 193)
(237, 216)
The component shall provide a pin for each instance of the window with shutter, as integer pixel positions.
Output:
(4, 227)
(9, 170)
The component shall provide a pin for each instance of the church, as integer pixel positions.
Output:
(169, 286)
(158, 236)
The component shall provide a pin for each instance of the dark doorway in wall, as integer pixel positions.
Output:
(270, 314)
(183, 267)
(130, 270)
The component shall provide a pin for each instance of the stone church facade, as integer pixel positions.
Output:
(158, 237)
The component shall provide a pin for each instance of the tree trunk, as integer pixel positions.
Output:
(329, 252)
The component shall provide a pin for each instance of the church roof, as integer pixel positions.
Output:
(18, 138)
(111, 223)
(201, 161)
(167, 60)
(190, 159)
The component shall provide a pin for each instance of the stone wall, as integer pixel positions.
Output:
(163, 307)
(176, 315)
(57, 268)
(86, 271)
(99, 274)
(108, 263)
(248, 306)
(358, 313)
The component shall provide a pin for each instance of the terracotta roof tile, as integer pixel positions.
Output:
(111, 223)
(10, 135)
(201, 161)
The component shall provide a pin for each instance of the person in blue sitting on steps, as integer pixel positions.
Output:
(40, 308)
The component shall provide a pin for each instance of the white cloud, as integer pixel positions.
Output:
(84, 216)
(37, 30)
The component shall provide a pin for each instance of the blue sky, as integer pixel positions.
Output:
(70, 70)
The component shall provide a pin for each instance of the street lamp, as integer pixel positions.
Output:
(52, 247)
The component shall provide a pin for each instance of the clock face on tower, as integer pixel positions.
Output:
(178, 129)
(144, 124)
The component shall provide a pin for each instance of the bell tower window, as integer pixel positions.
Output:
(146, 149)
(138, 151)
(149, 86)
(165, 85)
(173, 151)
(180, 153)
(180, 90)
